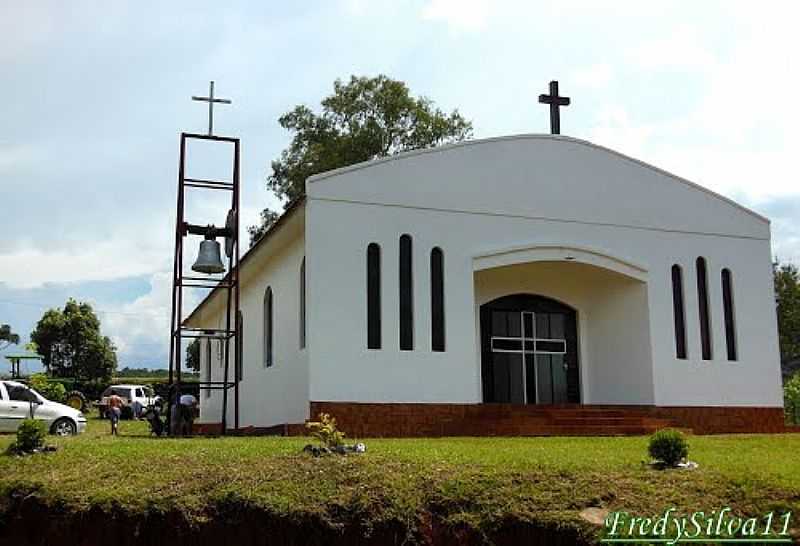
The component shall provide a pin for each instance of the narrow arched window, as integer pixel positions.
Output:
(437, 299)
(303, 304)
(240, 347)
(730, 320)
(406, 279)
(373, 296)
(678, 311)
(702, 303)
(208, 367)
(268, 327)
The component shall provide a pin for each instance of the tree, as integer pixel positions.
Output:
(7, 337)
(71, 345)
(363, 119)
(268, 217)
(787, 298)
(193, 355)
(791, 398)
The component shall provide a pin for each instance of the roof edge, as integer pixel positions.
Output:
(531, 136)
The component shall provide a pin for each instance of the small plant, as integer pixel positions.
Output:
(668, 446)
(30, 436)
(326, 432)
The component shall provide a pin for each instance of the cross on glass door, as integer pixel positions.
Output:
(540, 339)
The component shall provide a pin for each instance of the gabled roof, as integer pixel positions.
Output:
(480, 142)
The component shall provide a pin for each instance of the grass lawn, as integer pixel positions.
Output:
(476, 482)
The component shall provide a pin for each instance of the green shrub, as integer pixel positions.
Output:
(791, 399)
(325, 431)
(52, 390)
(668, 446)
(30, 436)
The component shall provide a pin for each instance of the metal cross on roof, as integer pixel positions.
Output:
(211, 100)
(555, 102)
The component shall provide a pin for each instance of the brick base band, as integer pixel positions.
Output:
(406, 420)
(360, 420)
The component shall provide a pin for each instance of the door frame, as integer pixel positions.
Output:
(525, 303)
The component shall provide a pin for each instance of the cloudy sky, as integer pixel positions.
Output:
(94, 94)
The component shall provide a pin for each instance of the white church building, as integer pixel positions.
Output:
(529, 284)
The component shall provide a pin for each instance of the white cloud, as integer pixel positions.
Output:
(682, 48)
(615, 129)
(595, 76)
(461, 15)
(31, 267)
(140, 329)
(16, 156)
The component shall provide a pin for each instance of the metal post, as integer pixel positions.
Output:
(234, 272)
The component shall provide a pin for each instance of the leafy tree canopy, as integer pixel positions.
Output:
(787, 298)
(364, 119)
(193, 355)
(71, 345)
(791, 398)
(7, 336)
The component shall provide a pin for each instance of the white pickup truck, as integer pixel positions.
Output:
(142, 394)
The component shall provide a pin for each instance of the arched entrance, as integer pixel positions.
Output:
(529, 351)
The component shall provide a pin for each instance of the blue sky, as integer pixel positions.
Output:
(94, 95)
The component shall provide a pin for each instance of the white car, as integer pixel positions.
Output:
(18, 402)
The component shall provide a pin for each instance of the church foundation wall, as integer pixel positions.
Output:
(360, 420)
(410, 420)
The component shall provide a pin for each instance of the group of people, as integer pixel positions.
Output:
(182, 413)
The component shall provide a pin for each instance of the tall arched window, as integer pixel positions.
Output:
(406, 279)
(373, 296)
(303, 304)
(437, 299)
(240, 347)
(730, 320)
(702, 303)
(208, 366)
(268, 327)
(678, 311)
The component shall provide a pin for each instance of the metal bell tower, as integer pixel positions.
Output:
(210, 264)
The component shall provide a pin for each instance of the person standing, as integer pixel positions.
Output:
(188, 405)
(115, 405)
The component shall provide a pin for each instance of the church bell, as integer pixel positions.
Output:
(208, 260)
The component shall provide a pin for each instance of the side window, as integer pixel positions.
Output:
(678, 312)
(728, 308)
(303, 304)
(406, 296)
(268, 327)
(373, 296)
(702, 302)
(139, 393)
(240, 348)
(209, 341)
(20, 394)
(437, 299)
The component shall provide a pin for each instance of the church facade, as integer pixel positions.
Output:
(481, 287)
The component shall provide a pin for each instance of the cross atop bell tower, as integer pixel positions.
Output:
(555, 102)
(211, 99)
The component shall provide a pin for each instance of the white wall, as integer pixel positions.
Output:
(278, 394)
(484, 197)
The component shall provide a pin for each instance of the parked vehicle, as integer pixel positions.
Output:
(18, 402)
(142, 394)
